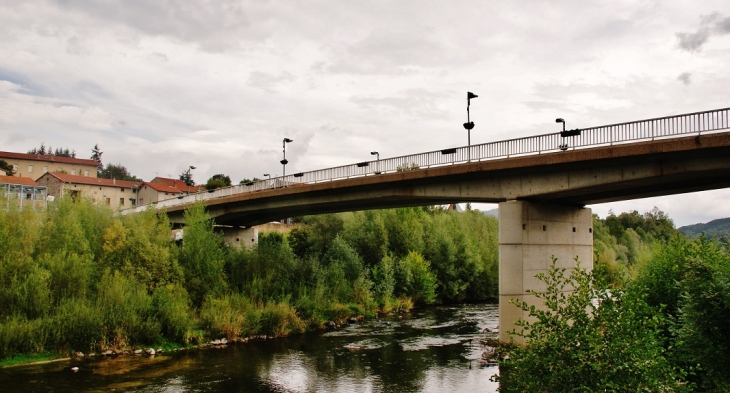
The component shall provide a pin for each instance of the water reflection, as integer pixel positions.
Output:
(430, 350)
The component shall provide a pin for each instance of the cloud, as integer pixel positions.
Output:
(710, 25)
(685, 78)
(267, 81)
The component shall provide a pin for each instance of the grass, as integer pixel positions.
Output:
(34, 357)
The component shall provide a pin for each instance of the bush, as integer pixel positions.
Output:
(574, 345)
(172, 308)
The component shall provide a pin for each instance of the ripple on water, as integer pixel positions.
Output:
(423, 343)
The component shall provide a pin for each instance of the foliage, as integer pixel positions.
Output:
(7, 168)
(117, 171)
(58, 152)
(96, 154)
(591, 339)
(688, 282)
(202, 256)
(187, 176)
(218, 181)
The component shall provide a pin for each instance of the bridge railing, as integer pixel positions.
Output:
(635, 131)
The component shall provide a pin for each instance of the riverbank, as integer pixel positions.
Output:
(431, 349)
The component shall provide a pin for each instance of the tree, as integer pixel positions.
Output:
(187, 177)
(96, 156)
(117, 171)
(589, 340)
(218, 181)
(4, 166)
(59, 152)
(246, 180)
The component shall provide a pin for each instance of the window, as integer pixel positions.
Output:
(30, 168)
(121, 201)
(86, 173)
(45, 169)
(15, 168)
(108, 201)
(73, 171)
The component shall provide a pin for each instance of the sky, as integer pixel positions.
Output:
(163, 85)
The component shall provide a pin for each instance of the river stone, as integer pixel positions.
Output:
(150, 351)
(108, 353)
(137, 351)
(79, 354)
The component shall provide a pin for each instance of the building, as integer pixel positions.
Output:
(150, 192)
(22, 192)
(36, 165)
(117, 194)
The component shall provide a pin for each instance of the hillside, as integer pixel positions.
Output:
(714, 228)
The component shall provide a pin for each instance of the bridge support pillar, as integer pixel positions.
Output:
(529, 233)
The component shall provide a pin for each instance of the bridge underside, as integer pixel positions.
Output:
(541, 199)
(574, 178)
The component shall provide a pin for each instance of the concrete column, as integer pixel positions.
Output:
(529, 233)
(240, 237)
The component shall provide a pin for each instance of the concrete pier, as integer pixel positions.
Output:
(529, 234)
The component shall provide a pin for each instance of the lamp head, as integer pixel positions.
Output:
(560, 120)
(266, 174)
(192, 167)
(372, 153)
(470, 95)
(287, 140)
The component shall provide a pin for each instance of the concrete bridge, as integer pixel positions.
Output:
(541, 184)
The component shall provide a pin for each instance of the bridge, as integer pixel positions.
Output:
(541, 184)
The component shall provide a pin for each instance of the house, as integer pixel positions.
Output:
(22, 192)
(117, 194)
(150, 192)
(35, 165)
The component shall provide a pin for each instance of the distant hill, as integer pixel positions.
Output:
(714, 228)
(492, 212)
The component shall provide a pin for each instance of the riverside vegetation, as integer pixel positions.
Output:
(651, 317)
(76, 277)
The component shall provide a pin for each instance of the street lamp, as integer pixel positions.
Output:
(189, 177)
(377, 163)
(285, 161)
(469, 124)
(564, 145)
(267, 175)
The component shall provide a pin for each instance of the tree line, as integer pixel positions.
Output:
(76, 277)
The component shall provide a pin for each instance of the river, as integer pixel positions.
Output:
(432, 349)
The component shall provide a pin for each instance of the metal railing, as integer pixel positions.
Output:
(635, 131)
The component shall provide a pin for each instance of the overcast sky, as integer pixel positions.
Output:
(218, 84)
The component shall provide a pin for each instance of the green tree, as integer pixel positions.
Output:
(117, 171)
(218, 181)
(588, 340)
(96, 154)
(7, 168)
(187, 176)
(202, 256)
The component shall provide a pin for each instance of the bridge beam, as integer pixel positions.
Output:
(529, 234)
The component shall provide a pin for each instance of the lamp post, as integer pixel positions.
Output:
(469, 124)
(285, 161)
(267, 175)
(377, 162)
(189, 177)
(564, 145)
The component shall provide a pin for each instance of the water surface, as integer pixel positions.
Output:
(432, 349)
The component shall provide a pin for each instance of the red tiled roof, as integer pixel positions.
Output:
(26, 181)
(159, 187)
(48, 158)
(94, 181)
(177, 183)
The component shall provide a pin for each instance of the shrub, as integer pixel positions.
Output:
(172, 308)
(574, 345)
